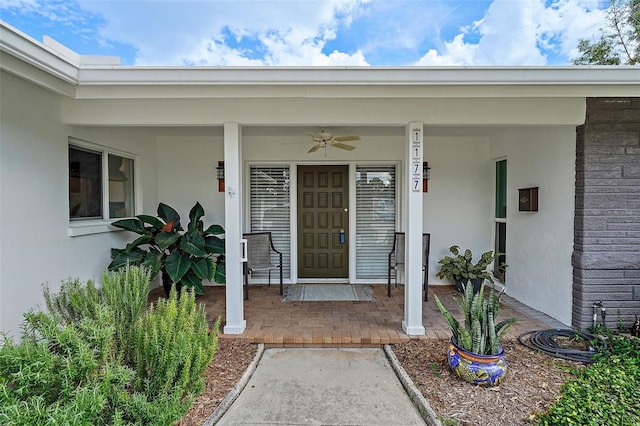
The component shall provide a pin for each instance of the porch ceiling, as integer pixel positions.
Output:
(338, 112)
(364, 130)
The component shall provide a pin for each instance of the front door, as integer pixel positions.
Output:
(323, 221)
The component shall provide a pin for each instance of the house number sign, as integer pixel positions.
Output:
(416, 160)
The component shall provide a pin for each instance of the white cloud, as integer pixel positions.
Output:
(521, 33)
(322, 32)
(178, 32)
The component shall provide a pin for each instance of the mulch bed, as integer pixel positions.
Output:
(532, 384)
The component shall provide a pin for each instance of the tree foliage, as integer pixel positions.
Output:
(619, 42)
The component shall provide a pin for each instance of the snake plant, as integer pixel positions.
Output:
(479, 332)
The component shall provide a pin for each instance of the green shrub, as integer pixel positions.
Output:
(76, 364)
(606, 392)
(73, 302)
(61, 374)
(174, 346)
(124, 293)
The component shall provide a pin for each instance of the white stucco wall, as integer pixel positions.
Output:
(186, 167)
(457, 208)
(539, 244)
(35, 245)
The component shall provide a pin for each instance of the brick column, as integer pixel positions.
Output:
(606, 257)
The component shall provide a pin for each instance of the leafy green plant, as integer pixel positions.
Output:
(461, 266)
(184, 257)
(76, 364)
(606, 392)
(174, 346)
(73, 302)
(619, 42)
(123, 292)
(479, 332)
(62, 374)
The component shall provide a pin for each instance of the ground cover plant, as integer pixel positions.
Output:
(100, 356)
(606, 392)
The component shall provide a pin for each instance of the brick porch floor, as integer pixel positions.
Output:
(355, 324)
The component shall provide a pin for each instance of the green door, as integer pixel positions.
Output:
(323, 221)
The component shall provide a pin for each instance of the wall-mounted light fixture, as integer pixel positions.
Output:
(426, 175)
(220, 175)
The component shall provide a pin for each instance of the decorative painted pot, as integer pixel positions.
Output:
(481, 370)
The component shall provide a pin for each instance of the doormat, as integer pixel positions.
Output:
(327, 293)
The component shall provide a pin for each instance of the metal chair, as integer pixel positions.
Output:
(396, 261)
(259, 250)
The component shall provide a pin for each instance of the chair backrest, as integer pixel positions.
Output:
(426, 243)
(398, 247)
(258, 248)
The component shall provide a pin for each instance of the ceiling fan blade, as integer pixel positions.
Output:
(314, 148)
(317, 136)
(343, 146)
(347, 138)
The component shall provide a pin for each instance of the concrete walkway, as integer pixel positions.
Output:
(323, 386)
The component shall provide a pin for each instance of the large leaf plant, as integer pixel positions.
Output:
(461, 265)
(184, 258)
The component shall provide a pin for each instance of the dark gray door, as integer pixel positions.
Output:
(323, 221)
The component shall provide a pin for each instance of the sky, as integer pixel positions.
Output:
(315, 32)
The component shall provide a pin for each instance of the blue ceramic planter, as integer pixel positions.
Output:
(481, 370)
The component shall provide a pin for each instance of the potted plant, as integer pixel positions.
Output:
(475, 351)
(461, 268)
(184, 258)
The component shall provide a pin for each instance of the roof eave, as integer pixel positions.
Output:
(51, 68)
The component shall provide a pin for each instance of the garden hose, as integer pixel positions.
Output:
(545, 341)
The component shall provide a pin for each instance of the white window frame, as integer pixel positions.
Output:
(80, 226)
(500, 285)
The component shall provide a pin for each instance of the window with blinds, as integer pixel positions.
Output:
(269, 209)
(376, 219)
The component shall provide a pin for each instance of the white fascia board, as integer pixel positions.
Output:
(215, 91)
(38, 77)
(359, 76)
(31, 52)
(356, 82)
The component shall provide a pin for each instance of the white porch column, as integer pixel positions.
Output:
(412, 324)
(236, 323)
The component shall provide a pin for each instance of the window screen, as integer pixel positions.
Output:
(121, 196)
(376, 219)
(269, 209)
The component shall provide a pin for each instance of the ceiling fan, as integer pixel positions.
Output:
(324, 139)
